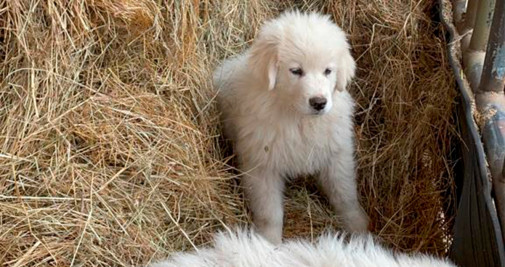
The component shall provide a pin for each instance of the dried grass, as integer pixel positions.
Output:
(109, 150)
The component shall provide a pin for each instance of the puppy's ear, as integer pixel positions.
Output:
(264, 57)
(345, 71)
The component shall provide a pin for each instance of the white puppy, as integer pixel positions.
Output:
(285, 107)
(250, 250)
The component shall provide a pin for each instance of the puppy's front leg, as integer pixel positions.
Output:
(264, 192)
(338, 181)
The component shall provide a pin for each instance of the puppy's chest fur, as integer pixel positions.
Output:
(295, 147)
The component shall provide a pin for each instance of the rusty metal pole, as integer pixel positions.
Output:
(459, 9)
(471, 12)
(493, 74)
(490, 100)
(482, 25)
(473, 57)
(469, 22)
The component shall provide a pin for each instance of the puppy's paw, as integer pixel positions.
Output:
(356, 221)
(270, 231)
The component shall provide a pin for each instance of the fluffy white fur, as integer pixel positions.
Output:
(264, 96)
(246, 249)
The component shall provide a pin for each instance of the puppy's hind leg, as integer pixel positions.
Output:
(338, 181)
(264, 192)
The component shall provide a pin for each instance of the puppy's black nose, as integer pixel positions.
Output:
(317, 103)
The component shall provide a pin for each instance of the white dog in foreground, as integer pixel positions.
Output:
(246, 249)
(285, 107)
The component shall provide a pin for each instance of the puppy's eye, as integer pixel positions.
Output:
(327, 72)
(296, 71)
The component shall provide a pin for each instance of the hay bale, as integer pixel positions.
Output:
(109, 149)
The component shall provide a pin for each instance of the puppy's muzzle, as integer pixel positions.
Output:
(318, 103)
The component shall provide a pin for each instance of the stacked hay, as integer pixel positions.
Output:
(109, 151)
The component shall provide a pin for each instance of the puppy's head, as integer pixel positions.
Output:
(304, 59)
